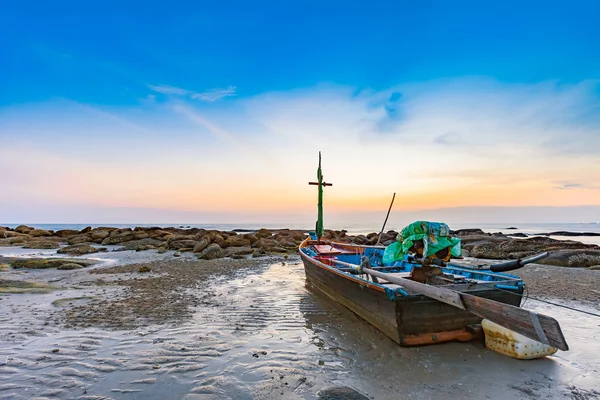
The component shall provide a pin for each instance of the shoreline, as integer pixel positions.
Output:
(232, 326)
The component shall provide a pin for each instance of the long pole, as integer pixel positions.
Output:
(386, 218)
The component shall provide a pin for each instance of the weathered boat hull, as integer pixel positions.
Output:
(408, 320)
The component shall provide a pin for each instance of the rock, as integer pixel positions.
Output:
(99, 234)
(140, 235)
(39, 232)
(584, 260)
(69, 266)
(521, 235)
(79, 250)
(44, 263)
(14, 241)
(263, 234)
(144, 247)
(467, 232)
(265, 244)
(79, 239)
(32, 263)
(278, 249)
(144, 268)
(258, 253)
(218, 239)
(488, 250)
(45, 244)
(236, 241)
(162, 250)
(594, 268)
(252, 238)
(119, 236)
(212, 252)
(63, 233)
(231, 251)
(24, 229)
(181, 244)
(201, 245)
(86, 229)
(340, 393)
(142, 244)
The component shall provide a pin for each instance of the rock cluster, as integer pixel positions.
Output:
(214, 244)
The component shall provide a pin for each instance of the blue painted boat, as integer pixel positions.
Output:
(406, 316)
(418, 300)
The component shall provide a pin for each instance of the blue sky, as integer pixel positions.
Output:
(146, 98)
(109, 52)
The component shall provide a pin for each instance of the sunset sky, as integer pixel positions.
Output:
(190, 112)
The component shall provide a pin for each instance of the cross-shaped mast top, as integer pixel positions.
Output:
(320, 183)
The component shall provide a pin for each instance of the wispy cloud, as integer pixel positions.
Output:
(208, 96)
(568, 186)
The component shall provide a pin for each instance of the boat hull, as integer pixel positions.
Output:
(408, 320)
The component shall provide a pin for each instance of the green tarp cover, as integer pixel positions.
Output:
(435, 236)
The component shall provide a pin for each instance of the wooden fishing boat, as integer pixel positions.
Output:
(421, 301)
(406, 316)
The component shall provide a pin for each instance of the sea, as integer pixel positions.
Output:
(531, 229)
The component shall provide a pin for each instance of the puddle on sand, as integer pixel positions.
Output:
(263, 335)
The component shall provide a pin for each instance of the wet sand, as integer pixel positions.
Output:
(250, 329)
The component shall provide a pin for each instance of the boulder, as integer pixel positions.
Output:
(584, 260)
(236, 241)
(142, 244)
(79, 239)
(258, 253)
(99, 234)
(594, 268)
(158, 234)
(264, 243)
(488, 250)
(218, 239)
(231, 251)
(10, 234)
(41, 244)
(252, 238)
(144, 247)
(467, 232)
(181, 244)
(118, 236)
(263, 233)
(39, 232)
(14, 241)
(63, 233)
(32, 263)
(79, 250)
(69, 266)
(140, 235)
(201, 245)
(45, 263)
(86, 229)
(212, 252)
(277, 249)
(24, 229)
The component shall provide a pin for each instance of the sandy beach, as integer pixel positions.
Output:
(248, 328)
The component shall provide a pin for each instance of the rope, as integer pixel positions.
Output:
(527, 296)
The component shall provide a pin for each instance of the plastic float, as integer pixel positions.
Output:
(512, 344)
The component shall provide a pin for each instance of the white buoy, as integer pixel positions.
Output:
(513, 344)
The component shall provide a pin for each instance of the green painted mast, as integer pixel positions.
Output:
(320, 183)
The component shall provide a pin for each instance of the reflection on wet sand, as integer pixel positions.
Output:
(264, 335)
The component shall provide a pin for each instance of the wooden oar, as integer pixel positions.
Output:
(539, 327)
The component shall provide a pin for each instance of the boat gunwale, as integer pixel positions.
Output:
(511, 279)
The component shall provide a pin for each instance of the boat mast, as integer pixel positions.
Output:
(320, 183)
